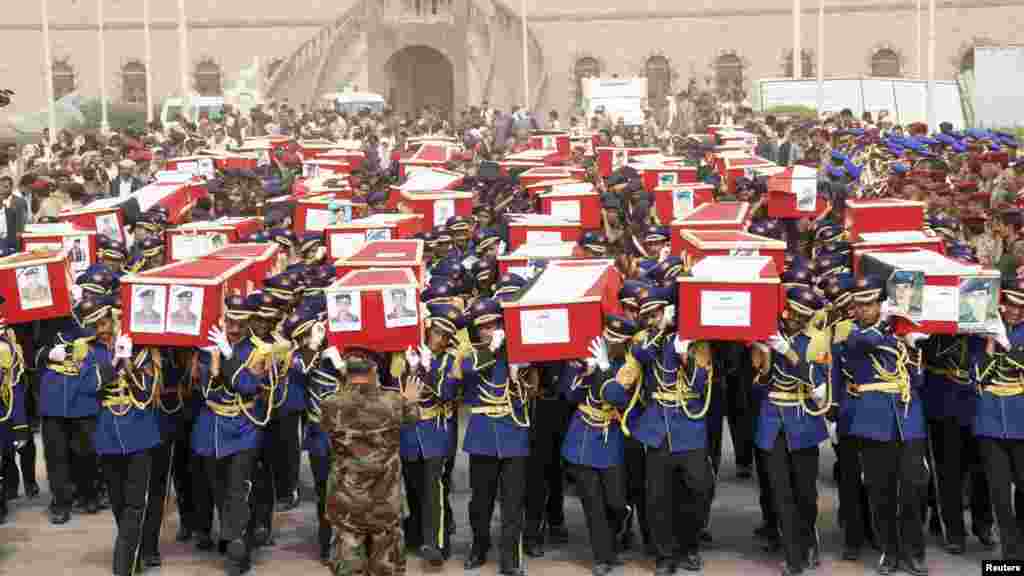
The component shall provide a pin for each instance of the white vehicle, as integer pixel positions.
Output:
(193, 108)
(353, 102)
(619, 98)
(998, 78)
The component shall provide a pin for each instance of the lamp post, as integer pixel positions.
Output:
(51, 107)
(101, 41)
(798, 60)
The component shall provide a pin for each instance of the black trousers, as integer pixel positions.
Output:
(853, 501)
(424, 489)
(70, 458)
(602, 493)
(545, 484)
(184, 473)
(204, 494)
(484, 473)
(282, 438)
(769, 514)
(635, 472)
(678, 490)
(794, 485)
(320, 467)
(1004, 463)
(160, 468)
(264, 489)
(26, 457)
(895, 474)
(955, 450)
(231, 480)
(128, 482)
(741, 419)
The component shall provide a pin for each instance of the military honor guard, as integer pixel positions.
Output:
(14, 429)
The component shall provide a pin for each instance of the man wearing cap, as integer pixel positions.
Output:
(888, 419)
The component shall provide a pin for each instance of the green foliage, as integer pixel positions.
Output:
(120, 116)
(793, 110)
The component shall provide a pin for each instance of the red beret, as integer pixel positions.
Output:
(141, 155)
(40, 185)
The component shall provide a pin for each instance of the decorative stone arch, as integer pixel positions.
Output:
(65, 77)
(132, 76)
(806, 55)
(729, 72)
(583, 66)
(208, 77)
(886, 61)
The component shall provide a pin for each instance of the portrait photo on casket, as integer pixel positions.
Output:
(148, 306)
(185, 310)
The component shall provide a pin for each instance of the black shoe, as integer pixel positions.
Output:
(771, 546)
(203, 541)
(152, 560)
(935, 525)
(475, 560)
(290, 502)
(32, 491)
(851, 553)
(954, 548)
(987, 538)
(58, 517)
(766, 532)
(914, 566)
(512, 572)
(601, 569)
(744, 472)
(788, 570)
(886, 565)
(238, 561)
(664, 568)
(691, 562)
(183, 534)
(558, 534)
(93, 507)
(616, 561)
(3, 515)
(261, 537)
(222, 547)
(432, 556)
(533, 549)
(813, 557)
(705, 536)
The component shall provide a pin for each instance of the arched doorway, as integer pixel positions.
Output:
(420, 76)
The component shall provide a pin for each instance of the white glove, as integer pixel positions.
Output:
(426, 357)
(19, 444)
(999, 335)
(681, 346)
(819, 393)
(316, 336)
(412, 359)
(76, 292)
(778, 343)
(123, 347)
(914, 338)
(497, 339)
(668, 316)
(58, 353)
(599, 353)
(501, 247)
(220, 340)
(334, 357)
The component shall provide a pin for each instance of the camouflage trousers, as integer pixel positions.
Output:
(356, 553)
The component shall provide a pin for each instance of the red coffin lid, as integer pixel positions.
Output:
(703, 238)
(718, 212)
(746, 162)
(883, 203)
(385, 251)
(548, 171)
(211, 270)
(235, 251)
(377, 277)
(732, 269)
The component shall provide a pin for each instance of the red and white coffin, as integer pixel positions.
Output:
(578, 201)
(80, 245)
(104, 216)
(732, 165)
(936, 295)
(354, 158)
(345, 239)
(562, 311)
(337, 186)
(793, 193)
(374, 309)
(551, 140)
(663, 172)
(541, 157)
(177, 304)
(437, 207)
(385, 254)
(319, 167)
(542, 174)
(906, 241)
(35, 286)
(203, 166)
(698, 244)
(432, 180)
(178, 198)
(313, 213)
(541, 229)
(882, 215)
(528, 259)
(730, 298)
(263, 260)
(675, 202)
(197, 239)
(733, 216)
(611, 158)
(414, 143)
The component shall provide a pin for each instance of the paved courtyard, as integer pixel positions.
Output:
(30, 545)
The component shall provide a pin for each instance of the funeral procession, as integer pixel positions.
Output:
(486, 287)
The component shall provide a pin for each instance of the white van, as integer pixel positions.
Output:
(198, 105)
(353, 102)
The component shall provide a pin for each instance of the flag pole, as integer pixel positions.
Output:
(104, 123)
(148, 41)
(50, 92)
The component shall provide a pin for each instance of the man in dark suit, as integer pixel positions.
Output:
(126, 181)
(15, 213)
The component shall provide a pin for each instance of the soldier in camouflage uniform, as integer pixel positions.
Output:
(364, 504)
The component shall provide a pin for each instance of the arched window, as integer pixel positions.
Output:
(207, 79)
(63, 79)
(728, 73)
(133, 83)
(885, 63)
(586, 67)
(807, 70)
(659, 81)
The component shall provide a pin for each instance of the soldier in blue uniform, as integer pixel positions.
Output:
(998, 423)
(593, 444)
(425, 445)
(887, 416)
(228, 432)
(791, 425)
(14, 429)
(126, 427)
(497, 437)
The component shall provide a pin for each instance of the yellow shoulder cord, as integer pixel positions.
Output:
(638, 388)
(900, 376)
(802, 390)
(686, 386)
(519, 390)
(261, 351)
(158, 392)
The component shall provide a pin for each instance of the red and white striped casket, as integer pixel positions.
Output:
(528, 259)
(178, 198)
(733, 298)
(79, 244)
(385, 254)
(793, 193)
(319, 167)
(313, 213)
(337, 186)
(551, 140)
(429, 155)
(344, 239)
(177, 304)
(197, 239)
(675, 202)
(698, 244)
(733, 164)
(35, 286)
(656, 170)
(578, 201)
(542, 174)
(376, 309)
(560, 313)
(934, 294)
(540, 157)
(541, 229)
(354, 158)
(905, 241)
(611, 158)
(437, 207)
(432, 180)
(264, 260)
(882, 215)
(712, 216)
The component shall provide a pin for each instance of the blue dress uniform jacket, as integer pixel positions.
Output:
(498, 422)
(594, 438)
(948, 391)
(169, 403)
(430, 436)
(841, 376)
(222, 427)
(63, 391)
(292, 392)
(126, 423)
(675, 395)
(999, 381)
(13, 418)
(780, 410)
(324, 383)
(878, 359)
